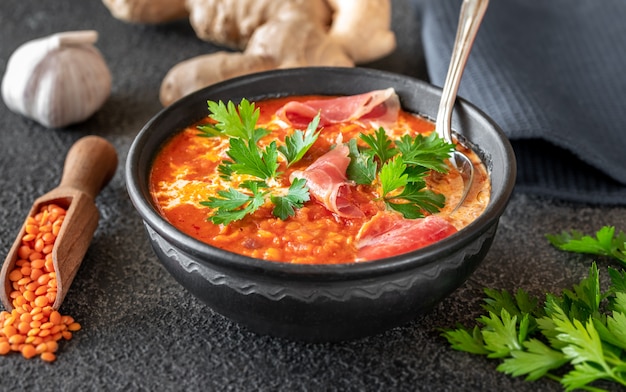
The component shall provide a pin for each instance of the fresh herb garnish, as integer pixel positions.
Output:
(398, 167)
(297, 194)
(231, 204)
(425, 151)
(576, 338)
(298, 143)
(362, 168)
(380, 145)
(413, 198)
(247, 158)
(401, 170)
(236, 122)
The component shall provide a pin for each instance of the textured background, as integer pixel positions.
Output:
(143, 331)
(551, 75)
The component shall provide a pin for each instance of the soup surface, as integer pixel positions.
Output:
(355, 225)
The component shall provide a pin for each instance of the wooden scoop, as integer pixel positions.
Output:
(90, 164)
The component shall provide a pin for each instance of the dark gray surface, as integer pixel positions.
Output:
(142, 331)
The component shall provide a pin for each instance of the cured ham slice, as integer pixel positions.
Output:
(389, 234)
(328, 184)
(379, 106)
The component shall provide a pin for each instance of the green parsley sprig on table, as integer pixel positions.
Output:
(247, 157)
(576, 338)
(401, 170)
(605, 243)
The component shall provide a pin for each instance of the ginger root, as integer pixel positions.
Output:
(277, 44)
(268, 34)
(232, 23)
(362, 28)
(185, 77)
(147, 11)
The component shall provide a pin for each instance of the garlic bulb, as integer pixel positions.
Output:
(57, 80)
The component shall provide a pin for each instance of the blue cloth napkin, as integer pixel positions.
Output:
(552, 74)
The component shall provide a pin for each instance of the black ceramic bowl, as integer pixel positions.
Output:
(321, 302)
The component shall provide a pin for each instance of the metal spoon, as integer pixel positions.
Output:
(472, 12)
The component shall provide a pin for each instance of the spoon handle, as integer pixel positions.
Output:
(89, 165)
(471, 15)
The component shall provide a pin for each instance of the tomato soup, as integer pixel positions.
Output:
(186, 172)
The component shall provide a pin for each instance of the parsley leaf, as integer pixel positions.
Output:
(517, 305)
(233, 205)
(576, 338)
(618, 278)
(403, 170)
(238, 122)
(592, 347)
(297, 194)
(380, 144)
(208, 130)
(225, 170)
(424, 199)
(298, 143)
(362, 168)
(535, 360)
(415, 200)
(412, 199)
(392, 176)
(584, 350)
(463, 339)
(605, 243)
(500, 333)
(427, 151)
(248, 158)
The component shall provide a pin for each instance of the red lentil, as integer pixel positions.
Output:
(33, 327)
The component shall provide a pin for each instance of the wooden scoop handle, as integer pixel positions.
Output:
(89, 165)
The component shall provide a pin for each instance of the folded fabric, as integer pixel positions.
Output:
(551, 74)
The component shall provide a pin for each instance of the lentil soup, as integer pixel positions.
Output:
(185, 172)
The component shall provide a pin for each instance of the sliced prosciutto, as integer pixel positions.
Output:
(389, 234)
(328, 184)
(379, 106)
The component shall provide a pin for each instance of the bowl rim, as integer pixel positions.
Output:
(206, 253)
